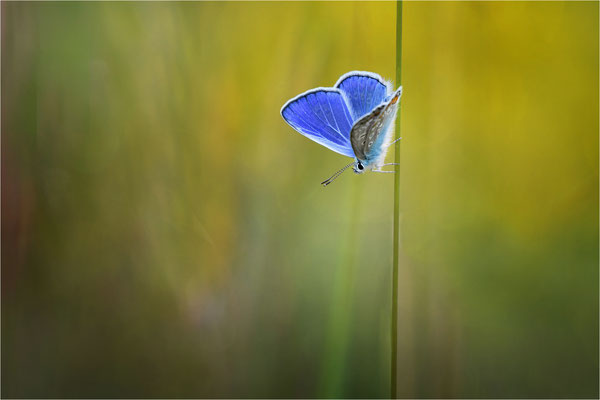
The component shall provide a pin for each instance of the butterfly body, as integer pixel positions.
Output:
(371, 135)
(354, 118)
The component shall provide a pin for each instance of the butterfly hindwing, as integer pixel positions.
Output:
(323, 116)
(363, 90)
(368, 133)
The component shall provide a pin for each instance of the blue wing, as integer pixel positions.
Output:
(364, 91)
(323, 116)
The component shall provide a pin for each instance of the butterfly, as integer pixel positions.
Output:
(354, 118)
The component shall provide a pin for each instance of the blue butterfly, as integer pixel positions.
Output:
(354, 118)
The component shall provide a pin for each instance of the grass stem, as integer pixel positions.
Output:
(394, 327)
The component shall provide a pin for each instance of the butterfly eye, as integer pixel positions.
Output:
(360, 166)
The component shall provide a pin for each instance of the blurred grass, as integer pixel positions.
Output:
(164, 233)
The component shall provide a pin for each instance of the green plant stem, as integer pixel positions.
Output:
(394, 327)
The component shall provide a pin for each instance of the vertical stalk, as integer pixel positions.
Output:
(394, 327)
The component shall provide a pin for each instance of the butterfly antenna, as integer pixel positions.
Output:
(328, 181)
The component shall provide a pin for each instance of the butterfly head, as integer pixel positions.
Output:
(358, 167)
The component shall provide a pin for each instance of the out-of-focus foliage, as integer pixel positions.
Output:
(164, 233)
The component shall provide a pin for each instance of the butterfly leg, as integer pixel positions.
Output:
(394, 141)
(377, 169)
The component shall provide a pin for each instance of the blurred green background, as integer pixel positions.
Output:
(164, 233)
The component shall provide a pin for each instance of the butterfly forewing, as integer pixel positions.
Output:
(364, 91)
(323, 116)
